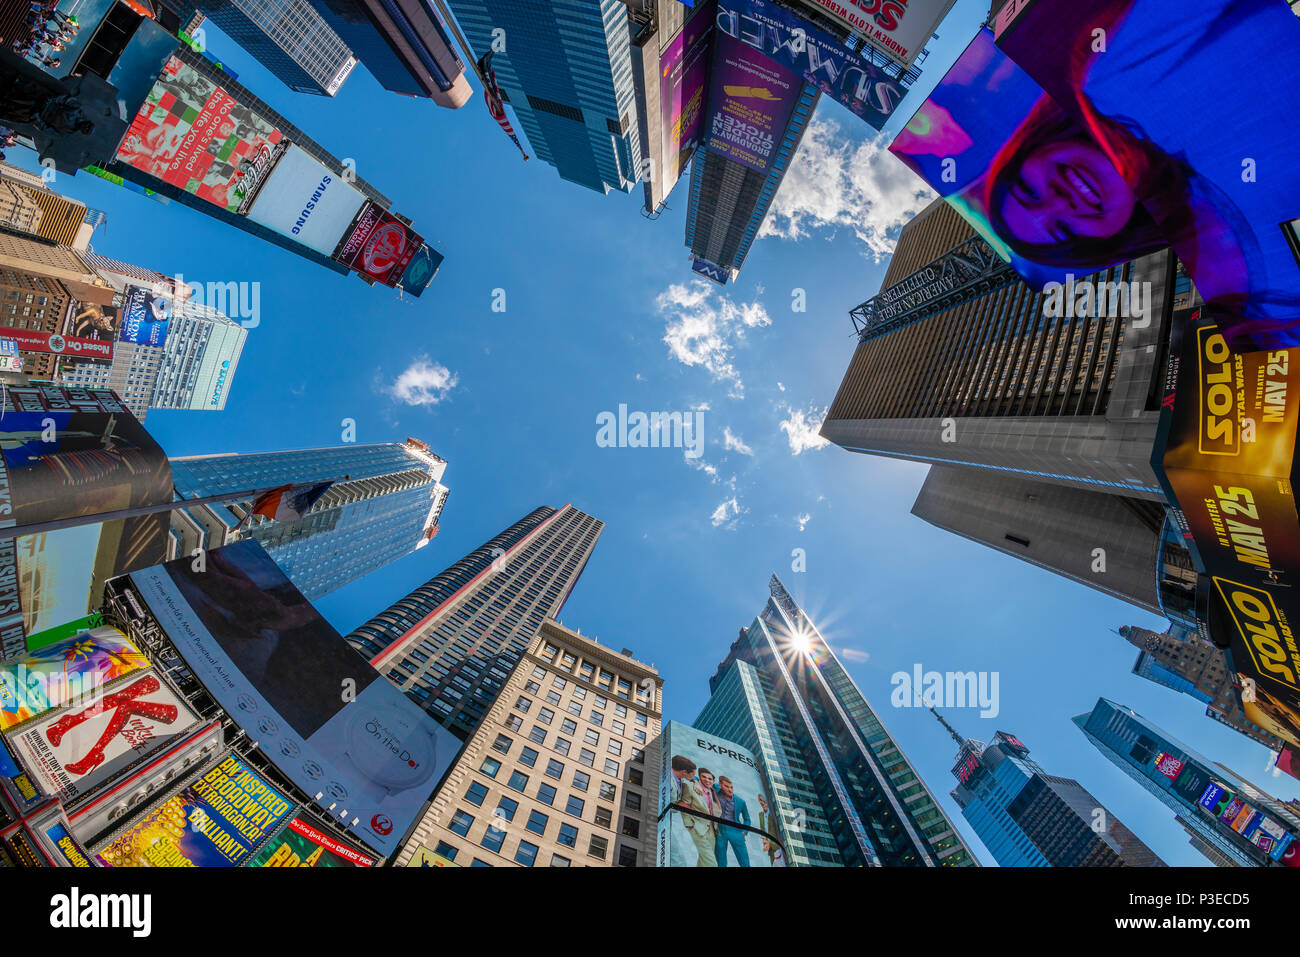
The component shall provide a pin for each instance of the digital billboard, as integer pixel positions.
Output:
(146, 315)
(304, 201)
(54, 441)
(897, 28)
(683, 85)
(714, 806)
(378, 245)
(300, 844)
(75, 749)
(1218, 180)
(419, 272)
(818, 58)
(191, 133)
(214, 822)
(18, 786)
(54, 343)
(1168, 765)
(1225, 455)
(336, 728)
(751, 100)
(75, 668)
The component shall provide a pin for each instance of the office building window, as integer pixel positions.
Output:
(632, 801)
(627, 856)
(537, 822)
(558, 861)
(574, 806)
(506, 808)
(446, 850)
(562, 745)
(528, 757)
(581, 780)
(502, 744)
(518, 780)
(493, 838)
(554, 769)
(460, 823)
(631, 826)
(546, 794)
(476, 794)
(568, 835)
(526, 854)
(598, 847)
(490, 767)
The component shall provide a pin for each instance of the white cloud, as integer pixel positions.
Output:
(700, 407)
(704, 327)
(727, 513)
(803, 518)
(733, 443)
(801, 428)
(781, 386)
(853, 654)
(834, 183)
(423, 383)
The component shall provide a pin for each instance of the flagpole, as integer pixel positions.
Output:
(138, 511)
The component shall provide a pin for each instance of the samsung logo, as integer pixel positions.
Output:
(311, 204)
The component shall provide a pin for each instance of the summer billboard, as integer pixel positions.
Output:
(194, 135)
(714, 806)
(751, 100)
(1212, 163)
(214, 822)
(1225, 453)
(53, 442)
(336, 728)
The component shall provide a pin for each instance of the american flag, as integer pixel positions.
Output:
(492, 95)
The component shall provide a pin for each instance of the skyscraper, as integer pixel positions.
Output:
(288, 37)
(403, 44)
(566, 69)
(29, 206)
(1215, 805)
(1029, 818)
(452, 643)
(1180, 659)
(388, 506)
(562, 771)
(845, 793)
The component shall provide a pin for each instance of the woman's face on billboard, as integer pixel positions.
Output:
(1066, 189)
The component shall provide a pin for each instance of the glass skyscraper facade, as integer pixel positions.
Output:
(1029, 818)
(566, 70)
(389, 506)
(845, 792)
(1217, 807)
(452, 643)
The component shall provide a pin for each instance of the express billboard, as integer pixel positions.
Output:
(75, 749)
(897, 28)
(378, 245)
(1225, 455)
(751, 100)
(302, 844)
(714, 805)
(332, 724)
(864, 88)
(66, 453)
(146, 316)
(191, 133)
(303, 201)
(214, 822)
(1209, 162)
(77, 667)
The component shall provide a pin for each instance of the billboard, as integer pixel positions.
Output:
(91, 321)
(710, 271)
(751, 100)
(305, 202)
(1168, 765)
(73, 750)
(17, 784)
(897, 28)
(420, 270)
(683, 83)
(1224, 452)
(10, 360)
(75, 668)
(300, 844)
(714, 805)
(337, 729)
(378, 245)
(54, 343)
(1216, 181)
(65, 453)
(423, 857)
(191, 133)
(214, 822)
(817, 57)
(146, 315)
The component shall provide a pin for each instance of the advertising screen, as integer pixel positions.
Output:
(378, 245)
(194, 135)
(683, 85)
(423, 857)
(711, 272)
(17, 784)
(1216, 179)
(300, 844)
(813, 55)
(714, 805)
(72, 347)
(76, 668)
(751, 99)
(95, 322)
(54, 441)
(420, 270)
(304, 201)
(1225, 454)
(1169, 766)
(73, 750)
(214, 822)
(145, 317)
(329, 721)
(897, 28)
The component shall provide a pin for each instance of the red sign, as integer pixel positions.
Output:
(1169, 766)
(378, 245)
(75, 347)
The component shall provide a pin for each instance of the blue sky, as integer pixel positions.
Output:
(601, 310)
